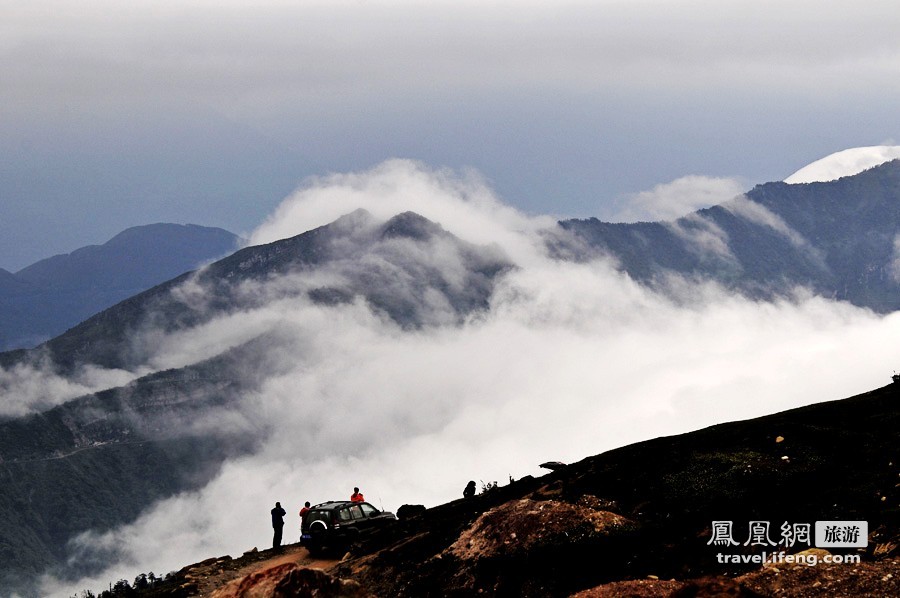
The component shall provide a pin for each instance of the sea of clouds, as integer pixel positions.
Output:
(571, 359)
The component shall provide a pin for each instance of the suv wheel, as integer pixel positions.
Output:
(318, 530)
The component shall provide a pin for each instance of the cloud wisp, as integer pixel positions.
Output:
(569, 359)
(679, 198)
(31, 388)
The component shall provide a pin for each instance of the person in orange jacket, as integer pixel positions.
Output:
(304, 510)
(357, 496)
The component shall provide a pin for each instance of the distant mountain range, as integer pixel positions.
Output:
(839, 239)
(359, 250)
(99, 460)
(52, 295)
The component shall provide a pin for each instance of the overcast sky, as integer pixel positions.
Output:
(116, 114)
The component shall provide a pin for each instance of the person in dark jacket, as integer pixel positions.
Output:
(278, 525)
(469, 491)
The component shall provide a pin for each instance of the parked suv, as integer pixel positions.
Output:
(337, 524)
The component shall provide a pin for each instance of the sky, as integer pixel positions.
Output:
(117, 114)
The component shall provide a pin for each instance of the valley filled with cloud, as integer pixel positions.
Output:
(568, 358)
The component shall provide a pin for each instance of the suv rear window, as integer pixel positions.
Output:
(317, 516)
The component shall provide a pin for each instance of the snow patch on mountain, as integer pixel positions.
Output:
(845, 163)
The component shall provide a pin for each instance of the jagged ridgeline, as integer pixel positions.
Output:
(365, 259)
(97, 461)
(837, 239)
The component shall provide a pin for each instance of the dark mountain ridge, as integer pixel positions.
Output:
(362, 252)
(835, 238)
(97, 461)
(49, 296)
(834, 461)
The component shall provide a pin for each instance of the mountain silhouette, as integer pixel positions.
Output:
(49, 296)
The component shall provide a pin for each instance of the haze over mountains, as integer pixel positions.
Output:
(407, 352)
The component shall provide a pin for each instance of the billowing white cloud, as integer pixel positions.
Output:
(679, 198)
(461, 202)
(570, 360)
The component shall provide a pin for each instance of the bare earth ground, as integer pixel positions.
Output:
(867, 579)
(225, 577)
(882, 578)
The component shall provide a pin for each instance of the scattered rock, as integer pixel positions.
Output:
(407, 511)
(639, 588)
(553, 465)
(290, 579)
(313, 582)
(531, 523)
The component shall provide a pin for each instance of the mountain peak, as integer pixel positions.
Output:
(412, 226)
(845, 163)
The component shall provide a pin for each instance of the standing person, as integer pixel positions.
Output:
(278, 525)
(356, 496)
(303, 512)
(469, 491)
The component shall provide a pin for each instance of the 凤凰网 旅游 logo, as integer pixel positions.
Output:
(789, 542)
(825, 534)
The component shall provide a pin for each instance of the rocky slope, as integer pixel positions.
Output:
(635, 521)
